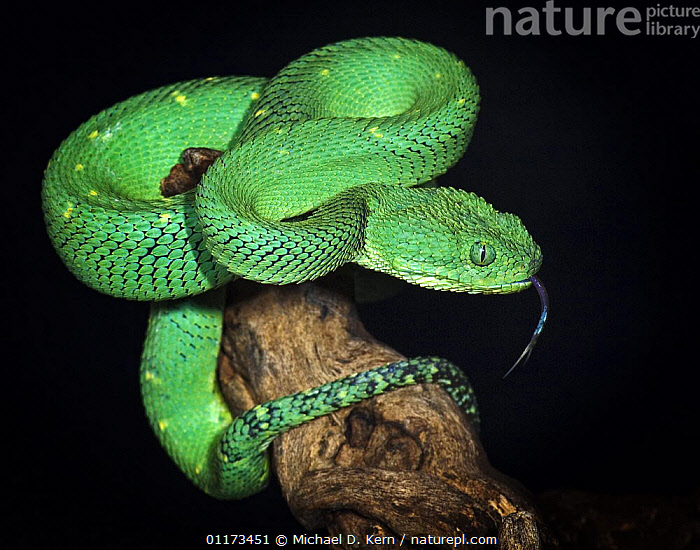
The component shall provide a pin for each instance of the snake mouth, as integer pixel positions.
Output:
(504, 288)
(527, 281)
(455, 285)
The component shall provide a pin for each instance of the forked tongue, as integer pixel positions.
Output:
(544, 302)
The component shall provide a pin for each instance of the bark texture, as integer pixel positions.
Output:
(405, 463)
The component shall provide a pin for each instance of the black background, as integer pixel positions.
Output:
(591, 140)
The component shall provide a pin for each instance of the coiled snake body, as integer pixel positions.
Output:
(323, 166)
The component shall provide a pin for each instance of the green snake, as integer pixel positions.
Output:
(323, 165)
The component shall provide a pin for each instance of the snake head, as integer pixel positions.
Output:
(448, 239)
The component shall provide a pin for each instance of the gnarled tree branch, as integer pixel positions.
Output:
(405, 463)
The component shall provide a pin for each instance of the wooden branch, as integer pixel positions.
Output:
(405, 463)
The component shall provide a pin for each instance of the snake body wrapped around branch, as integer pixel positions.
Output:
(323, 165)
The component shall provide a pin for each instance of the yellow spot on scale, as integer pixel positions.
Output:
(92, 192)
(259, 112)
(437, 75)
(162, 424)
(198, 469)
(209, 78)
(255, 95)
(374, 132)
(148, 375)
(325, 72)
(67, 213)
(93, 134)
(396, 56)
(461, 100)
(79, 167)
(165, 216)
(284, 152)
(181, 99)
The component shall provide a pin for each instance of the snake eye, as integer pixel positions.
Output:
(482, 253)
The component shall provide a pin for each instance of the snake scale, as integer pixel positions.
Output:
(323, 165)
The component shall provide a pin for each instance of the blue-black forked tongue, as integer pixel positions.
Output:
(544, 302)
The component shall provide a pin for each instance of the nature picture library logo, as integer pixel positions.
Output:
(657, 20)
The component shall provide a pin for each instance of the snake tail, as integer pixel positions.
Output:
(242, 458)
(225, 456)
